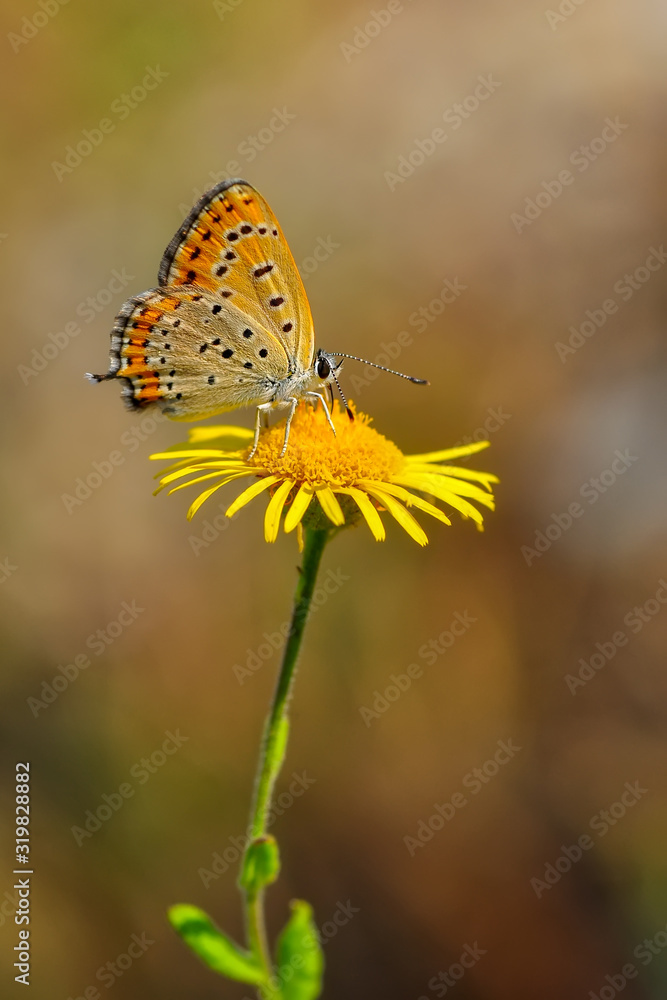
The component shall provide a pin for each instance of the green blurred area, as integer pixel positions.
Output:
(214, 599)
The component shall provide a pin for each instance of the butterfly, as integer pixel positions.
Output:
(229, 324)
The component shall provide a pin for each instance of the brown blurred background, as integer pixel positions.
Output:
(577, 88)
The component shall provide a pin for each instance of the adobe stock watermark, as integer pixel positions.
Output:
(454, 116)
(9, 906)
(430, 652)
(97, 642)
(364, 34)
(225, 7)
(222, 861)
(108, 973)
(321, 253)
(339, 918)
(625, 288)
(474, 781)
(31, 26)
(103, 469)
(600, 825)
(121, 108)
(330, 584)
(211, 529)
(635, 620)
(447, 979)
(87, 310)
(420, 319)
(140, 773)
(565, 10)
(590, 491)
(582, 157)
(7, 569)
(494, 420)
(247, 150)
(644, 952)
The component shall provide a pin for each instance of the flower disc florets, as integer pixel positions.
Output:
(314, 455)
(353, 474)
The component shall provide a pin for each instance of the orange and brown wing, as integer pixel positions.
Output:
(232, 245)
(130, 338)
(181, 347)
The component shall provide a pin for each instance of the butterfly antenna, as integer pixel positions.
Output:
(342, 394)
(410, 378)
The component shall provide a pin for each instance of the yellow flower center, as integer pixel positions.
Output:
(314, 455)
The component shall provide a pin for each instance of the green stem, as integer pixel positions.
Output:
(256, 929)
(276, 729)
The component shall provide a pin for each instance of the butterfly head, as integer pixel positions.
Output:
(325, 366)
(325, 369)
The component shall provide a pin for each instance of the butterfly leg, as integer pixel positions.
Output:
(261, 418)
(292, 402)
(323, 401)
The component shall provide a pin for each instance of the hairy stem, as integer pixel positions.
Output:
(274, 740)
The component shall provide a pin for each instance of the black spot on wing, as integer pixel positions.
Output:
(259, 272)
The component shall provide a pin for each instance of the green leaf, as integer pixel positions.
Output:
(213, 947)
(299, 955)
(261, 864)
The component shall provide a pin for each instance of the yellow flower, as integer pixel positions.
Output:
(356, 474)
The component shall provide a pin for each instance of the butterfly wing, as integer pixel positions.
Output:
(232, 245)
(230, 320)
(193, 353)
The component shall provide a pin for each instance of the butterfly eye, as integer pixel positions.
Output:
(323, 368)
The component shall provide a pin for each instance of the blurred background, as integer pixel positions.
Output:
(485, 182)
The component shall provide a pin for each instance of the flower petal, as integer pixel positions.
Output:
(398, 511)
(458, 486)
(228, 479)
(371, 516)
(202, 498)
(216, 468)
(186, 451)
(438, 456)
(250, 493)
(464, 489)
(431, 468)
(299, 506)
(447, 496)
(274, 510)
(232, 437)
(410, 500)
(330, 505)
